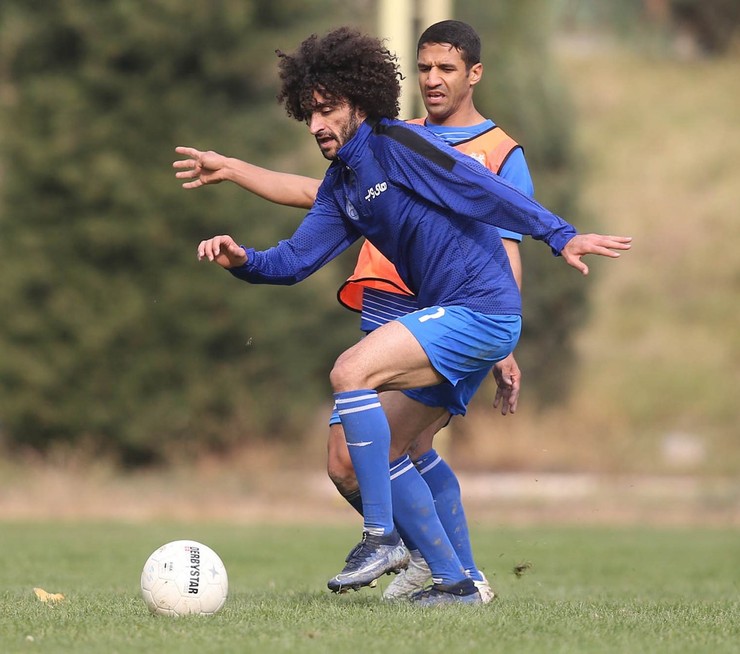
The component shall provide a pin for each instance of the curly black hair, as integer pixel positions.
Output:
(344, 65)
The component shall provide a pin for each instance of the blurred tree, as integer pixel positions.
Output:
(712, 25)
(691, 27)
(112, 333)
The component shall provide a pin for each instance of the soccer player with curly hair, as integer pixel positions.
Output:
(448, 70)
(433, 212)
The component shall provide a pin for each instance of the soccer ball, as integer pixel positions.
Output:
(184, 577)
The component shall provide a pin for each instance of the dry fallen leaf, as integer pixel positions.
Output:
(48, 597)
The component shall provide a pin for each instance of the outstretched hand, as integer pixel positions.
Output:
(200, 167)
(508, 381)
(583, 244)
(223, 250)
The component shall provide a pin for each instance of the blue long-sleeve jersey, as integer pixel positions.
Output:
(428, 208)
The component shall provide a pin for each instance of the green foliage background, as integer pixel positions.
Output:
(113, 337)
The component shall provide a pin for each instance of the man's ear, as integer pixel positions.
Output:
(475, 74)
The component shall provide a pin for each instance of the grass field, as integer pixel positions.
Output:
(587, 590)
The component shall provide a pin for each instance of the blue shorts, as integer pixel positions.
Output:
(462, 346)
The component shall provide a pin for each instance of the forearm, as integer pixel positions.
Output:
(277, 187)
(319, 238)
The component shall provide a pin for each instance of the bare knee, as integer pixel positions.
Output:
(421, 445)
(344, 377)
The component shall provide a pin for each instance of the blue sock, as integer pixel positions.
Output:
(413, 508)
(368, 439)
(445, 489)
(355, 501)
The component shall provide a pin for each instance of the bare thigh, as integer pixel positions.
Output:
(389, 358)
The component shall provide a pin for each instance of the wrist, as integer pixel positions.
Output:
(229, 171)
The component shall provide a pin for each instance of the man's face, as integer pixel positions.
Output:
(333, 123)
(446, 86)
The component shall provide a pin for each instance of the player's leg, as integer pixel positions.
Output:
(462, 346)
(459, 343)
(413, 504)
(445, 488)
(440, 477)
(388, 356)
(340, 470)
(418, 574)
(342, 473)
(339, 465)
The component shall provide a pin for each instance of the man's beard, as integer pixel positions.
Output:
(345, 134)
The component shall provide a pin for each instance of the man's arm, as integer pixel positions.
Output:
(442, 175)
(506, 372)
(322, 235)
(202, 168)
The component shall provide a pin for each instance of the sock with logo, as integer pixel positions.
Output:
(368, 439)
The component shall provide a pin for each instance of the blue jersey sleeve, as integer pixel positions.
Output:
(516, 172)
(451, 180)
(321, 236)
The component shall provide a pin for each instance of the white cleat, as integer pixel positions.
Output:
(484, 589)
(409, 581)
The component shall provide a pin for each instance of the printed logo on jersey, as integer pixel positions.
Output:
(480, 157)
(374, 191)
(351, 211)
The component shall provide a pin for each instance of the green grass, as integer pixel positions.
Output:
(587, 590)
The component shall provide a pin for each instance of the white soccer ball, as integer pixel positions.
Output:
(184, 577)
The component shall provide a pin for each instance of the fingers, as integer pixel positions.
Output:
(575, 261)
(212, 247)
(619, 242)
(508, 382)
(603, 245)
(222, 250)
(197, 183)
(185, 163)
(191, 166)
(511, 396)
(607, 245)
(514, 398)
(188, 152)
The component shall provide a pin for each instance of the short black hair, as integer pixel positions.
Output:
(459, 35)
(343, 65)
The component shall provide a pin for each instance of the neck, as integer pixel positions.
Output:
(464, 117)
